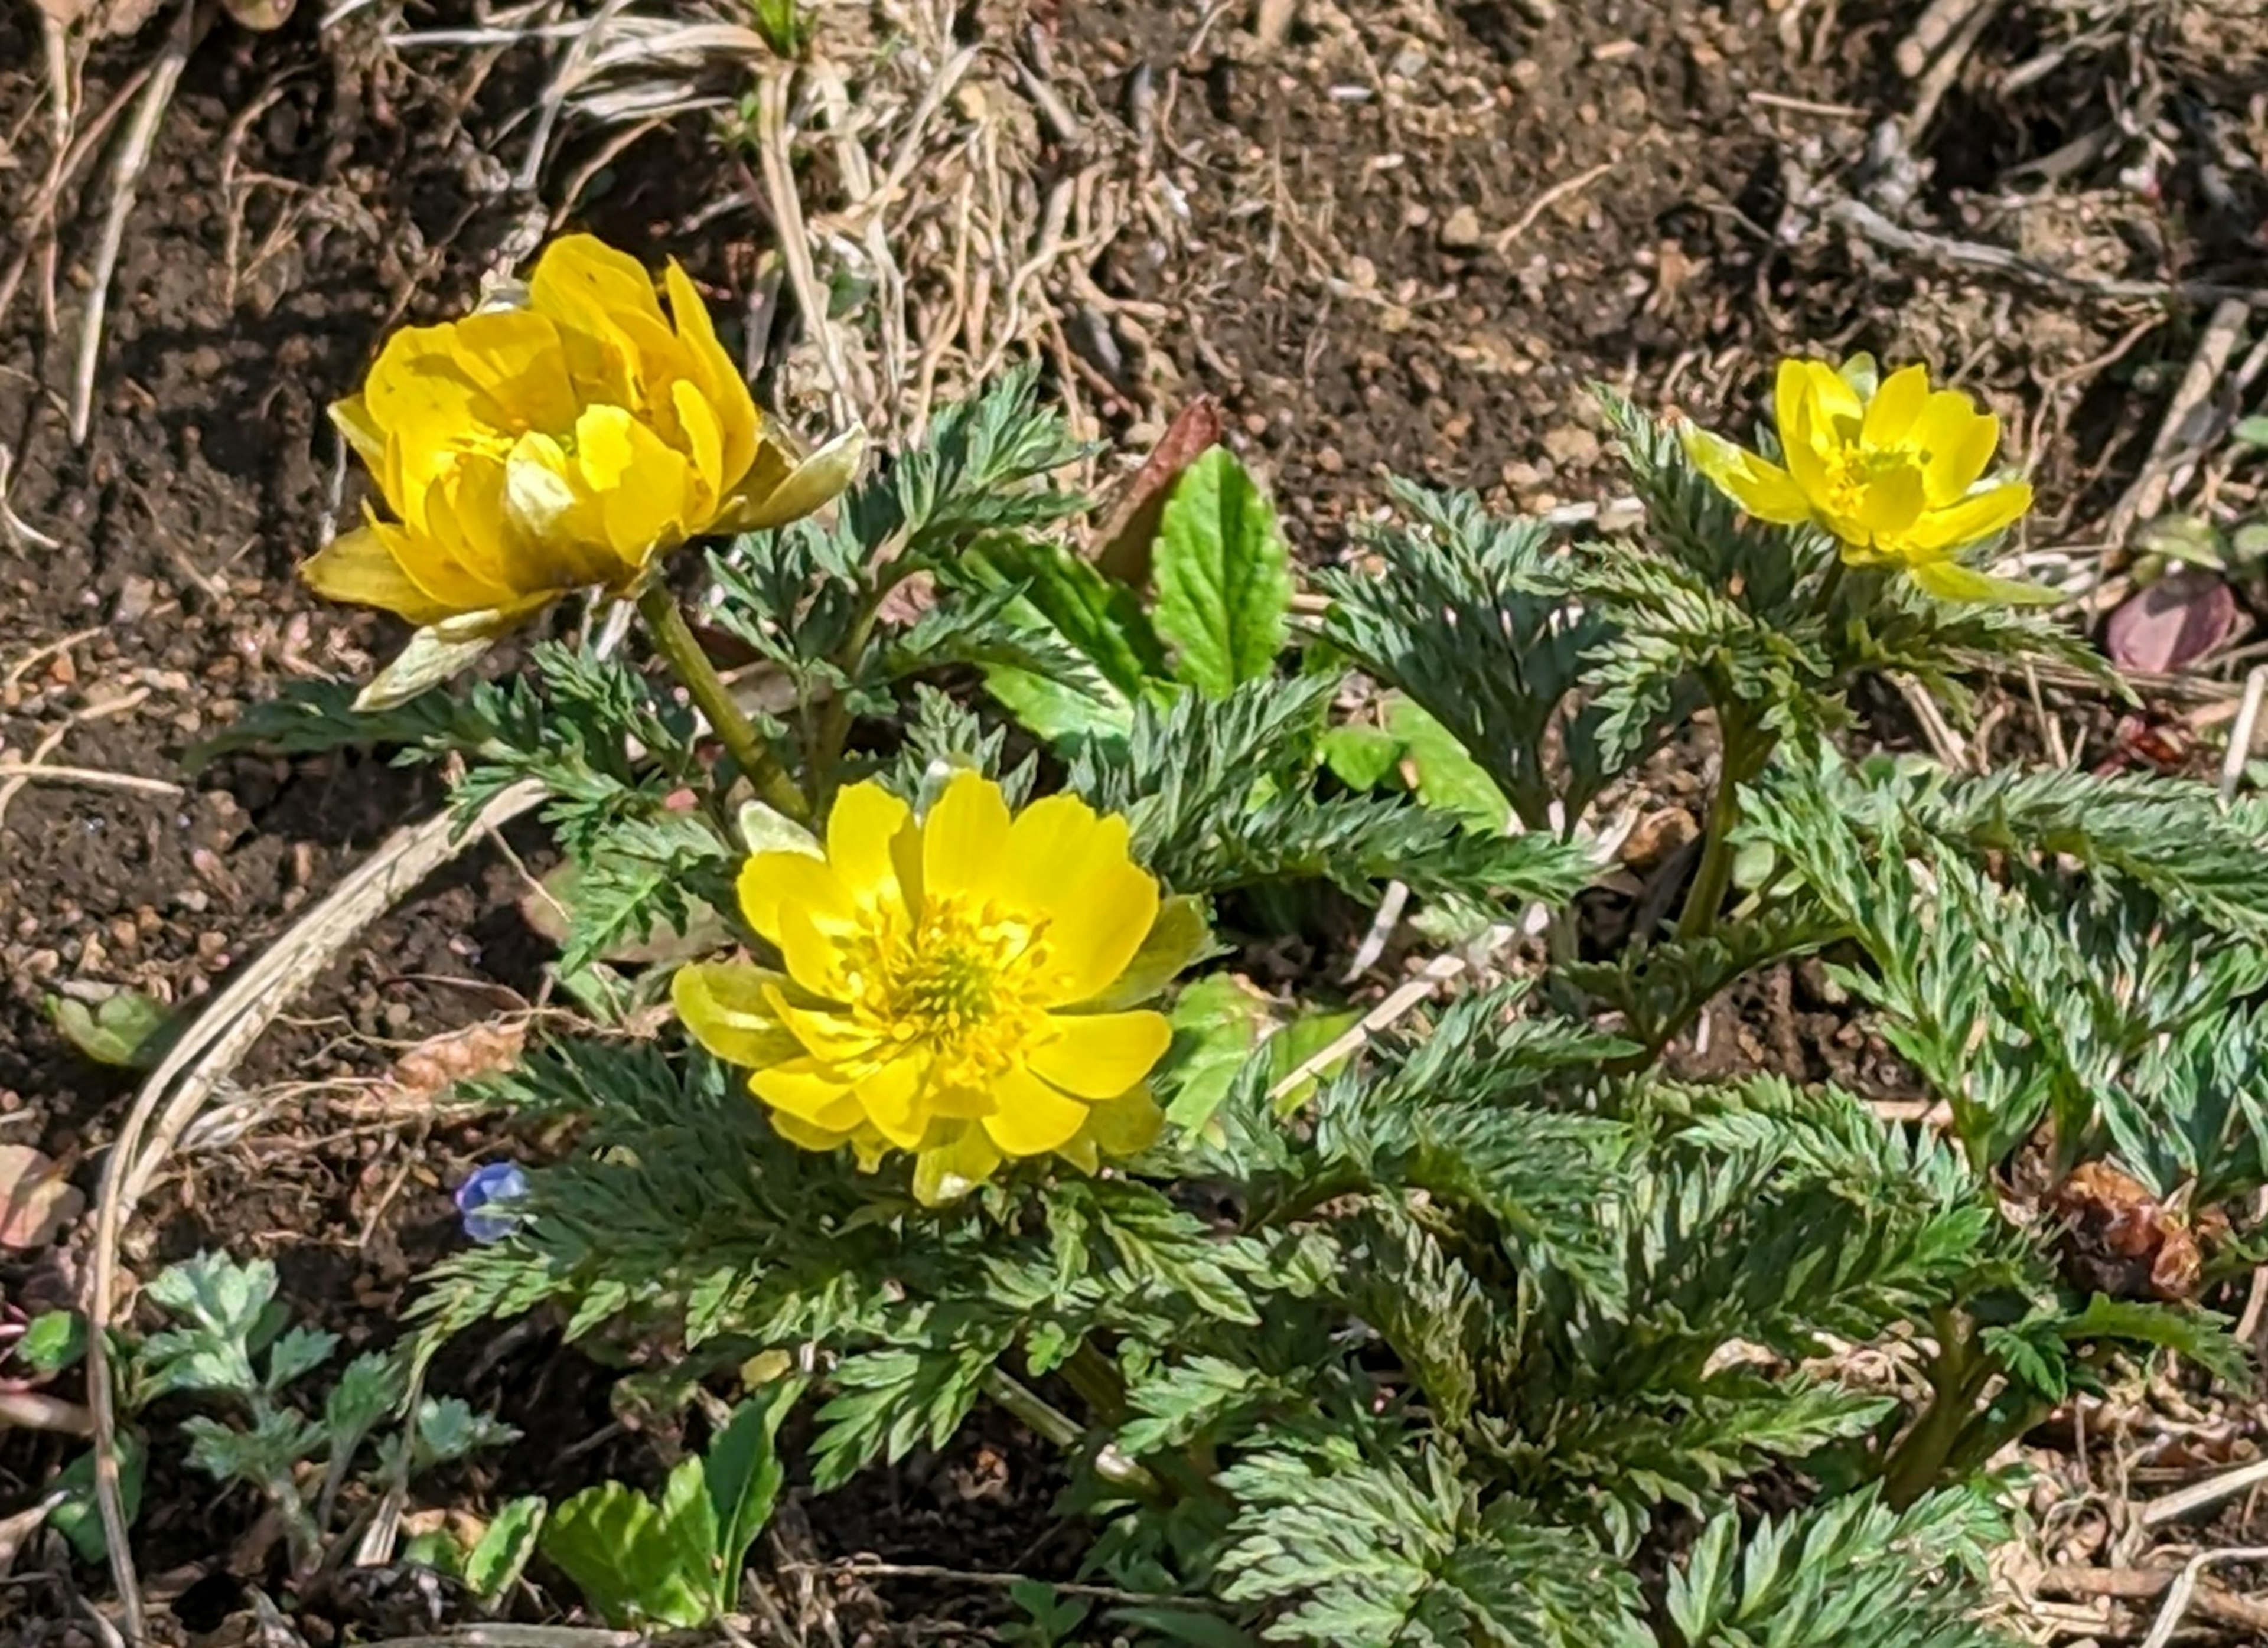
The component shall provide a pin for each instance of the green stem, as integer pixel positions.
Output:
(1957, 1377)
(1051, 1424)
(674, 640)
(1742, 757)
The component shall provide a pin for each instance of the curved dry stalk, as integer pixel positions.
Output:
(197, 1065)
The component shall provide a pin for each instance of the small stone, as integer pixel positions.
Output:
(1571, 447)
(1461, 232)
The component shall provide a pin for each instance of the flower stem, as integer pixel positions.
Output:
(674, 640)
(1052, 1425)
(1957, 1377)
(1742, 757)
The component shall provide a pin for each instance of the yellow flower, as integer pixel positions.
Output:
(562, 444)
(957, 986)
(1891, 469)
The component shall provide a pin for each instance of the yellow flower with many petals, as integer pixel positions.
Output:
(561, 444)
(1891, 468)
(959, 986)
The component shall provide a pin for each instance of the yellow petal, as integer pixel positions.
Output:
(704, 445)
(1972, 520)
(580, 281)
(553, 538)
(1029, 1117)
(890, 1095)
(1896, 405)
(861, 828)
(1961, 445)
(1804, 434)
(1949, 580)
(726, 392)
(1833, 398)
(351, 417)
(833, 1036)
(773, 494)
(357, 566)
(639, 480)
(810, 1091)
(438, 564)
(805, 1136)
(951, 1167)
(814, 960)
(1055, 844)
(1763, 488)
(727, 1009)
(1097, 927)
(769, 880)
(965, 838)
(1889, 503)
(1100, 1055)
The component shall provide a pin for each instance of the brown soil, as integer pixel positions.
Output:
(1402, 239)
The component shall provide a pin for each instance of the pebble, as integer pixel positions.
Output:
(1461, 230)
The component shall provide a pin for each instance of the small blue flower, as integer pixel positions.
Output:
(489, 1188)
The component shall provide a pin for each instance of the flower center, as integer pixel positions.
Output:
(961, 986)
(1854, 470)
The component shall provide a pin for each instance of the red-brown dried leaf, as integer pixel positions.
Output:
(2122, 1241)
(1130, 527)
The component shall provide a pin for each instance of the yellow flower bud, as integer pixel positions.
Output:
(566, 443)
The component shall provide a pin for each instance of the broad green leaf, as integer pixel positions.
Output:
(1224, 576)
(2253, 431)
(1216, 1025)
(1101, 620)
(436, 1549)
(743, 1474)
(629, 1562)
(78, 1518)
(128, 1030)
(52, 1342)
(1447, 776)
(1301, 1040)
(1360, 757)
(493, 1566)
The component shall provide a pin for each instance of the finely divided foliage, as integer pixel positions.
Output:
(1493, 1332)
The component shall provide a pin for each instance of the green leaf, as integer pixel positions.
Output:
(299, 1351)
(635, 1562)
(52, 1342)
(1216, 1025)
(1360, 757)
(2253, 431)
(493, 1566)
(1448, 776)
(431, 658)
(1301, 1040)
(78, 1518)
(1101, 620)
(1224, 576)
(744, 1474)
(128, 1031)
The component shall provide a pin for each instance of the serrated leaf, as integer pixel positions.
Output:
(1216, 1025)
(495, 1563)
(298, 1352)
(1224, 576)
(610, 1540)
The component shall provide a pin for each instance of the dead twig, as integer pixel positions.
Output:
(1865, 221)
(125, 177)
(1550, 198)
(2239, 752)
(88, 777)
(2198, 1495)
(1946, 67)
(196, 1067)
(2185, 1590)
(2141, 1585)
(2188, 424)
